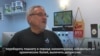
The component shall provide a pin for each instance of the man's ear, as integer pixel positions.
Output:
(29, 19)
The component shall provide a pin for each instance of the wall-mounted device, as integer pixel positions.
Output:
(94, 30)
(63, 18)
(66, 36)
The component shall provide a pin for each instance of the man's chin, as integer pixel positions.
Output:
(43, 27)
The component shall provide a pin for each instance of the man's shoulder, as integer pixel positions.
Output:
(23, 31)
(49, 31)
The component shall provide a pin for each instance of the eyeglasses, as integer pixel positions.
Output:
(40, 14)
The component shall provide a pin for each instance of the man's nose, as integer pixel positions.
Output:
(45, 16)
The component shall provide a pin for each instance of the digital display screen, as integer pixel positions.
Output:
(63, 18)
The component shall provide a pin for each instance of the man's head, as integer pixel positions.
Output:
(37, 17)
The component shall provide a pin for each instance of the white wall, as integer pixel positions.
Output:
(90, 10)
